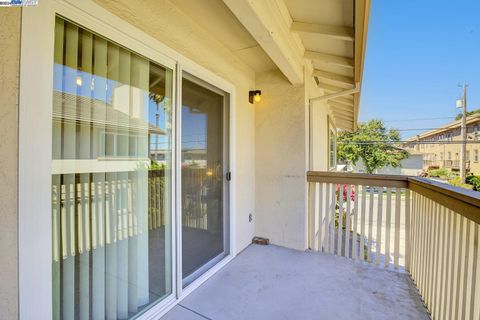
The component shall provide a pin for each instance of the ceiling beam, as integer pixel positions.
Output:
(333, 77)
(336, 32)
(345, 116)
(339, 106)
(346, 100)
(343, 124)
(272, 34)
(330, 59)
(329, 87)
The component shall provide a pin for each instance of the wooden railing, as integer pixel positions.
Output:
(423, 227)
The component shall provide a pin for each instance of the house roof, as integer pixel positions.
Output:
(73, 108)
(449, 126)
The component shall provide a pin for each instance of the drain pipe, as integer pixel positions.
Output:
(339, 94)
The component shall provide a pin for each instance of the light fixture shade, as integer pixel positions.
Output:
(254, 96)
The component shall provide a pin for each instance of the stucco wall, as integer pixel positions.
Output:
(280, 161)
(319, 136)
(9, 78)
(164, 21)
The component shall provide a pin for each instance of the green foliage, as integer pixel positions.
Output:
(458, 183)
(155, 165)
(442, 173)
(469, 113)
(353, 146)
(474, 181)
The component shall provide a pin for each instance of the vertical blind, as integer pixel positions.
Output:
(110, 187)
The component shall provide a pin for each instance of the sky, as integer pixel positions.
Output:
(418, 52)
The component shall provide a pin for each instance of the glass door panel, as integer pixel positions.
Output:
(204, 165)
(111, 178)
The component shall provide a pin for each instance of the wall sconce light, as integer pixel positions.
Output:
(254, 96)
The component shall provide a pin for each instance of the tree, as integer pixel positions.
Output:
(469, 113)
(372, 143)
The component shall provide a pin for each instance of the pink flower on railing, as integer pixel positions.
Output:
(352, 192)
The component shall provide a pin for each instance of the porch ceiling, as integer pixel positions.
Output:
(327, 37)
(333, 33)
(270, 282)
(221, 23)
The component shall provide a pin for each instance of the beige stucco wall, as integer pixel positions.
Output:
(9, 78)
(165, 22)
(281, 161)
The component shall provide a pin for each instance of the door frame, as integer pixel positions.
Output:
(35, 129)
(197, 71)
(226, 184)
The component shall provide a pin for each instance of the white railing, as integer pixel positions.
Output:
(428, 229)
(373, 220)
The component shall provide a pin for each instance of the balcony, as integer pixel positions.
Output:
(381, 247)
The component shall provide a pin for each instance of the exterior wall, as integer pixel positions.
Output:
(10, 21)
(319, 117)
(164, 21)
(281, 161)
(411, 166)
(432, 153)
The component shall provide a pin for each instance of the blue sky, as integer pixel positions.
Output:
(418, 51)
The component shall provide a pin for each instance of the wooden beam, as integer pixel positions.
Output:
(330, 59)
(271, 33)
(343, 124)
(335, 32)
(329, 87)
(345, 116)
(341, 116)
(333, 76)
(340, 106)
(347, 100)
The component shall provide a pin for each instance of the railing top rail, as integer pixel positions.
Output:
(462, 201)
(373, 180)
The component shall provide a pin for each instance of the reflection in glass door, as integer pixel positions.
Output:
(204, 166)
(111, 178)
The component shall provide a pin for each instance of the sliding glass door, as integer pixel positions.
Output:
(111, 178)
(204, 221)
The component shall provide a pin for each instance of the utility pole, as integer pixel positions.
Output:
(463, 151)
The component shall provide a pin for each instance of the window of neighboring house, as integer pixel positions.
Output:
(111, 239)
(449, 155)
(441, 156)
(467, 155)
(475, 155)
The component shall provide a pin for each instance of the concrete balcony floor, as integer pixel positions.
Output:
(270, 282)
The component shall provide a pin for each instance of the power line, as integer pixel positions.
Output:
(419, 119)
(409, 142)
(415, 129)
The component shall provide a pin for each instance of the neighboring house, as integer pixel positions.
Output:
(142, 166)
(412, 166)
(438, 153)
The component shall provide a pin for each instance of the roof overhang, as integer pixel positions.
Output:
(325, 36)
